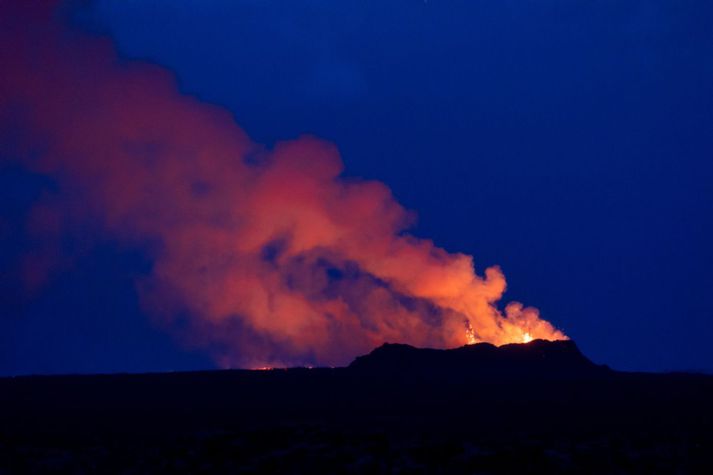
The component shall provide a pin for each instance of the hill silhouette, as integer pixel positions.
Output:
(537, 359)
(536, 407)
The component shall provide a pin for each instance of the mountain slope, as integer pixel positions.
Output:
(537, 359)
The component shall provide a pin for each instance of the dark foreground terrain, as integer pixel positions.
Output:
(541, 407)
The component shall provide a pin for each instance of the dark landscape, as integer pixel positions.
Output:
(189, 189)
(540, 407)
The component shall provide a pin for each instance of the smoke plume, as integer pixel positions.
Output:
(270, 254)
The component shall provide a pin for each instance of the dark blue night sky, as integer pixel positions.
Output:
(569, 142)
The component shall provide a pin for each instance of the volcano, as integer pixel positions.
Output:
(535, 407)
(537, 359)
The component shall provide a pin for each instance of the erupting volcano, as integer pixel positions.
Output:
(266, 255)
(178, 295)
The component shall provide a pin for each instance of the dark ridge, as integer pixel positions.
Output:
(540, 407)
(536, 359)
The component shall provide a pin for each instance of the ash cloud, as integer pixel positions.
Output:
(275, 259)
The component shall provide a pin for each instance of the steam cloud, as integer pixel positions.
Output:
(274, 257)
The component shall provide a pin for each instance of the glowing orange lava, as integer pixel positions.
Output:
(520, 325)
(470, 334)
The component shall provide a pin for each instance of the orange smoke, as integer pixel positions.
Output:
(274, 257)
